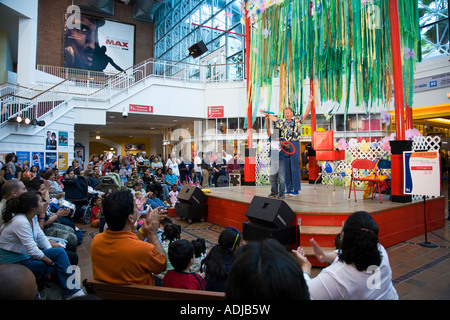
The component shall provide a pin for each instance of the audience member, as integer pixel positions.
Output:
(161, 179)
(135, 261)
(173, 196)
(22, 241)
(199, 246)
(95, 212)
(217, 263)
(353, 265)
(10, 189)
(171, 179)
(265, 271)
(172, 163)
(55, 189)
(17, 282)
(53, 220)
(170, 232)
(206, 170)
(135, 177)
(181, 256)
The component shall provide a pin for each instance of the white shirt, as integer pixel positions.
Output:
(342, 281)
(18, 236)
(173, 164)
(198, 164)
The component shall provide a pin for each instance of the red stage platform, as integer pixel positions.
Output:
(321, 211)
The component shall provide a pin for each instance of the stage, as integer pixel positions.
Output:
(321, 210)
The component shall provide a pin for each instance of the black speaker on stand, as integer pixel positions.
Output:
(191, 203)
(270, 218)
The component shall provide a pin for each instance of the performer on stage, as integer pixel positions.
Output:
(290, 128)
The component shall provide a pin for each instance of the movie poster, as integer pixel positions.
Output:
(37, 159)
(51, 160)
(23, 157)
(92, 43)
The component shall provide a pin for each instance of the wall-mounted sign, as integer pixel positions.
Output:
(140, 108)
(215, 112)
(433, 82)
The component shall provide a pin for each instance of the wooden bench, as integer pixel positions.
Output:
(109, 291)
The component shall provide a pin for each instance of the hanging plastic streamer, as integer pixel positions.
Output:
(337, 44)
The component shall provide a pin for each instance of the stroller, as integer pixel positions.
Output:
(76, 192)
(109, 183)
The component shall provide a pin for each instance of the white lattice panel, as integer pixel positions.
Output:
(426, 143)
(262, 164)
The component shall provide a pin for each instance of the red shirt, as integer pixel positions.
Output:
(95, 211)
(183, 280)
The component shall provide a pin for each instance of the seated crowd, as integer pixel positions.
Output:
(38, 235)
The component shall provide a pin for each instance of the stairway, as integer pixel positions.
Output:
(323, 234)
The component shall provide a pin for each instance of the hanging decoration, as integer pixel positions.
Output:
(336, 44)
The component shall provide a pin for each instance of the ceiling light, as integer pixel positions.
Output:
(97, 137)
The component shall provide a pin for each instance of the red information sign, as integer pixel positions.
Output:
(215, 112)
(140, 108)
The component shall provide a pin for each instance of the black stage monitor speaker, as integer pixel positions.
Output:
(197, 49)
(258, 232)
(270, 212)
(189, 211)
(191, 194)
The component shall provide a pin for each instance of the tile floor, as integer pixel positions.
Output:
(419, 273)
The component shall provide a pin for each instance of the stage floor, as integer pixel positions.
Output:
(319, 199)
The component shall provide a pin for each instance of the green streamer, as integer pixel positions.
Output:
(340, 39)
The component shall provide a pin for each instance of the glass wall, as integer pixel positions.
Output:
(179, 24)
(434, 27)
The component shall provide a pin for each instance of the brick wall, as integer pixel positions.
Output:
(50, 31)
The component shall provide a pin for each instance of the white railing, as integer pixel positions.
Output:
(33, 104)
(37, 101)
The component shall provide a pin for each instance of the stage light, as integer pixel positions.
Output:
(40, 123)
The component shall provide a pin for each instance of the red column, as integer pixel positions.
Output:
(397, 70)
(250, 152)
(409, 117)
(313, 167)
(400, 145)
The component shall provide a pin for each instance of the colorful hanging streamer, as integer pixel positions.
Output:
(337, 44)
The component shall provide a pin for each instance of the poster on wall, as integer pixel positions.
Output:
(51, 159)
(23, 157)
(63, 138)
(50, 140)
(63, 161)
(3, 157)
(37, 159)
(421, 172)
(93, 43)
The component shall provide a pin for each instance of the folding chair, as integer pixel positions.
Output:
(384, 164)
(364, 170)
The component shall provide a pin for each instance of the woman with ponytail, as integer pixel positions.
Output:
(359, 268)
(217, 263)
(22, 241)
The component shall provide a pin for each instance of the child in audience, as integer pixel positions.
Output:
(140, 200)
(217, 263)
(199, 253)
(168, 233)
(124, 173)
(173, 196)
(181, 256)
(95, 212)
